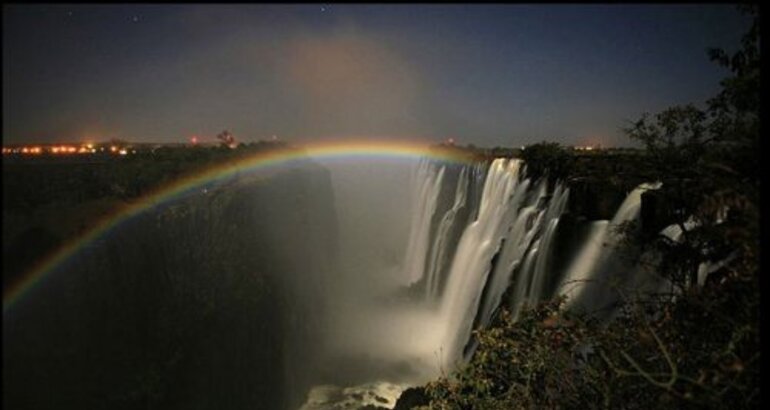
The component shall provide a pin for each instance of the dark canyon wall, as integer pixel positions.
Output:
(208, 302)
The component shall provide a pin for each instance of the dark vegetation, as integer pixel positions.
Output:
(548, 159)
(695, 347)
(47, 199)
(34, 181)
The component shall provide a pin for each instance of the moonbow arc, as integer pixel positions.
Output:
(262, 160)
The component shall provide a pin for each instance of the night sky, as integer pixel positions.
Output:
(493, 75)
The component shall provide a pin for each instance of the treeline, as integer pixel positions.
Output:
(34, 181)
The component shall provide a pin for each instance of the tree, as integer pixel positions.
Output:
(547, 159)
(707, 161)
(226, 139)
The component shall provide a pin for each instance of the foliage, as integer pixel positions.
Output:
(32, 182)
(707, 161)
(691, 354)
(547, 159)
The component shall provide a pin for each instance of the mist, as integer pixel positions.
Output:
(376, 329)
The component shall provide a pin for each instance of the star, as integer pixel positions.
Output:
(135, 19)
(323, 9)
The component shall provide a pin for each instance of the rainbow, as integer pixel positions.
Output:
(262, 160)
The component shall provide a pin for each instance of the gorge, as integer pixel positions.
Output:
(278, 289)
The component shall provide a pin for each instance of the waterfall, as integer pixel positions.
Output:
(596, 269)
(529, 286)
(483, 235)
(471, 263)
(438, 253)
(427, 186)
(503, 221)
(504, 246)
(583, 264)
(509, 226)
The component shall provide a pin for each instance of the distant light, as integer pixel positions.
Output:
(194, 140)
(113, 148)
(25, 150)
(133, 152)
(122, 152)
(93, 150)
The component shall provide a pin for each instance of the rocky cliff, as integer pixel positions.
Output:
(207, 301)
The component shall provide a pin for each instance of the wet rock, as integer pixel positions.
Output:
(411, 398)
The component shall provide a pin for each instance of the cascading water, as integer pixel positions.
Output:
(588, 281)
(531, 278)
(440, 243)
(508, 244)
(511, 214)
(471, 263)
(427, 182)
(478, 232)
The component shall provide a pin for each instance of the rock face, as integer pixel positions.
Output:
(371, 396)
(207, 301)
(599, 183)
(412, 397)
(655, 213)
(594, 200)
